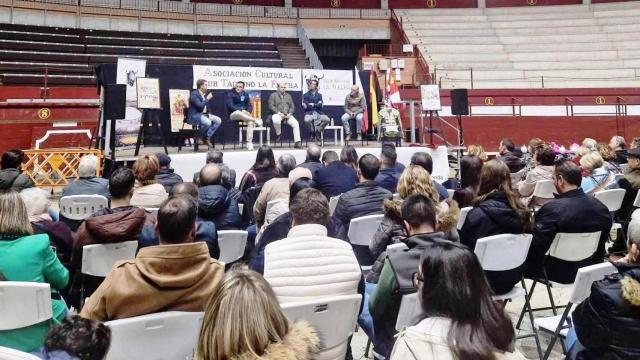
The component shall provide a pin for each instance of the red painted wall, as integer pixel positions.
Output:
(342, 4)
(424, 4)
(506, 3)
(607, 1)
(244, 2)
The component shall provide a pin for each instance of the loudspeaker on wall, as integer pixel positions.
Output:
(459, 102)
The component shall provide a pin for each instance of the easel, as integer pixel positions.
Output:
(149, 103)
(431, 130)
(150, 116)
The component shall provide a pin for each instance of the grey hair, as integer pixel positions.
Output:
(633, 232)
(88, 166)
(36, 200)
(286, 163)
(619, 141)
(214, 156)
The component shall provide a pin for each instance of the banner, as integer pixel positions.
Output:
(430, 95)
(126, 73)
(334, 85)
(178, 101)
(255, 78)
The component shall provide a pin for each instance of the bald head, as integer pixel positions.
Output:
(185, 188)
(355, 89)
(210, 175)
(313, 153)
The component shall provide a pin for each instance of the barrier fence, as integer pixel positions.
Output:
(56, 168)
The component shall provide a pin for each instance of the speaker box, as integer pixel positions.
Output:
(459, 102)
(115, 96)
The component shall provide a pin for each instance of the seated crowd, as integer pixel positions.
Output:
(297, 219)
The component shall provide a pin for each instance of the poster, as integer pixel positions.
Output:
(430, 95)
(256, 103)
(127, 129)
(127, 71)
(334, 85)
(148, 91)
(178, 101)
(255, 78)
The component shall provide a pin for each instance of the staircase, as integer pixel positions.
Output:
(292, 55)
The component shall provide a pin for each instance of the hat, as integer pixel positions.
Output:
(163, 159)
(634, 153)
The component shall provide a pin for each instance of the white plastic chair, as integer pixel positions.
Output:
(333, 318)
(619, 177)
(450, 192)
(556, 325)
(506, 252)
(636, 201)
(12, 354)
(80, 207)
(410, 309)
(24, 304)
(240, 208)
(333, 202)
(516, 177)
(361, 231)
(612, 198)
(232, 244)
(166, 335)
(463, 216)
(544, 189)
(99, 259)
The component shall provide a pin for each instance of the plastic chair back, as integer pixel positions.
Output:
(99, 259)
(362, 229)
(80, 207)
(24, 304)
(410, 310)
(450, 192)
(12, 354)
(503, 252)
(161, 336)
(333, 318)
(586, 276)
(333, 202)
(463, 216)
(574, 246)
(544, 189)
(396, 197)
(273, 203)
(612, 198)
(232, 244)
(516, 177)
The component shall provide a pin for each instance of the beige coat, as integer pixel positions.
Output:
(178, 277)
(276, 188)
(149, 196)
(526, 186)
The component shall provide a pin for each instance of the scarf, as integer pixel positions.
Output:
(39, 218)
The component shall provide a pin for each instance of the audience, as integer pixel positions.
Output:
(215, 156)
(424, 160)
(631, 183)
(349, 156)
(243, 320)
(28, 257)
(312, 161)
(87, 183)
(607, 323)
(529, 159)
(76, 338)
(477, 150)
(263, 170)
(497, 210)
(176, 275)
(323, 266)
(335, 177)
(390, 170)
(619, 145)
(147, 192)
(506, 150)
(279, 228)
(215, 202)
(595, 177)
(299, 173)
(635, 143)
(610, 160)
(37, 202)
(543, 170)
(461, 320)
(166, 176)
(418, 213)
(572, 211)
(414, 180)
(274, 189)
(366, 199)
(11, 176)
(470, 168)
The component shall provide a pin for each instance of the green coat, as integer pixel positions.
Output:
(30, 258)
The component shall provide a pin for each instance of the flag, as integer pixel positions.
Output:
(374, 99)
(393, 94)
(365, 116)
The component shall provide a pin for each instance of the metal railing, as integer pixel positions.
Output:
(306, 44)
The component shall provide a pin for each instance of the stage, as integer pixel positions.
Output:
(186, 162)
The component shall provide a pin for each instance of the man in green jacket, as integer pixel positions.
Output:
(281, 107)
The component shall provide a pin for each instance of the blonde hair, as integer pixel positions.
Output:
(416, 180)
(606, 152)
(591, 161)
(589, 143)
(477, 150)
(241, 318)
(146, 168)
(14, 218)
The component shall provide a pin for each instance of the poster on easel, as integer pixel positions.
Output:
(430, 95)
(148, 93)
(178, 102)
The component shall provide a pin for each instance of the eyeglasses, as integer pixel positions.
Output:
(417, 278)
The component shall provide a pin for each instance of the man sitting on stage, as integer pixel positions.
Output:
(239, 108)
(209, 123)
(315, 119)
(282, 108)
(354, 107)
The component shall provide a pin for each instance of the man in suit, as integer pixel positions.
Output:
(198, 101)
(282, 108)
(312, 103)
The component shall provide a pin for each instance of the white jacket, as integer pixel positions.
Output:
(309, 265)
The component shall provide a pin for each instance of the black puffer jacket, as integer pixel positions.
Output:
(216, 204)
(366, 199)
(608, 321)
(11, 178)
(494, 216)
(168, 178)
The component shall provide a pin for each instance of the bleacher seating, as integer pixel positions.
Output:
(529, 47)
(68, 56)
